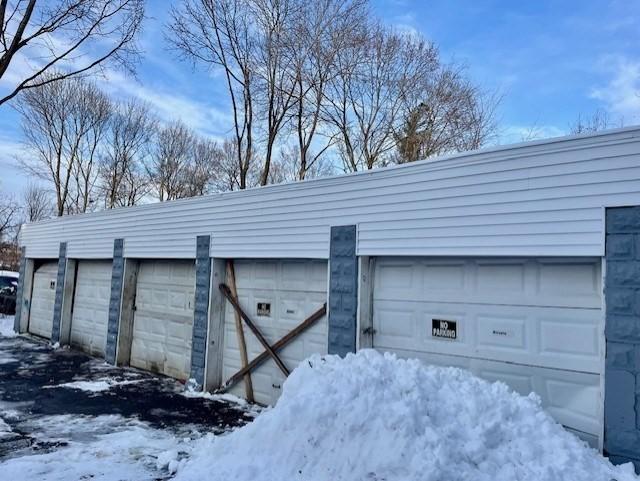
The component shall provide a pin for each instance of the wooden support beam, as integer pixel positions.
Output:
(227, 293)
(232, 295)
(282, 342)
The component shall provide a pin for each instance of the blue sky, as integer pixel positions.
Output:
(552, 61)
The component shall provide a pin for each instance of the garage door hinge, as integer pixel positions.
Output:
(370, 331)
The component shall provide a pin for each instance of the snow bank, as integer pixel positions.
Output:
(375, 417)
(6, 326)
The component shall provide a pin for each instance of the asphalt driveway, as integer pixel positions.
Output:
(52, 398)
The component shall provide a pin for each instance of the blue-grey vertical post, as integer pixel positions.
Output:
(20, 290)
(115, 301)
(622, 332)
(343, 290)
(201, 309)
(57, 306)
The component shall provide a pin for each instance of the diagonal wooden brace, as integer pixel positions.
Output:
(286, 339)
(227, 293)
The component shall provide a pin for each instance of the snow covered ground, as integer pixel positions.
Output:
(67, 416)
(369, 417)
(99, 448)
(6, 326)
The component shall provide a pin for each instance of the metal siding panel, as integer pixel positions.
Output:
(493, 187)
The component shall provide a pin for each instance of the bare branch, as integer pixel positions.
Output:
(68, 38)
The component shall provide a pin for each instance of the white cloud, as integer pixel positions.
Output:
(524, 133)
(622, 94)
(202, 117)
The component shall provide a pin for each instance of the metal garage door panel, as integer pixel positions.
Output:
(536, 282)
(552, 337)
(163, 321)
(534, 323)
(516, 311)
(91, 306)
(295, 289)
(43, 298)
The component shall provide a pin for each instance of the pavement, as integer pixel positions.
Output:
(44, 391)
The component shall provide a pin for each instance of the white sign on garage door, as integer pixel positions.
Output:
(91, 306)
(535, 324)
(163, 320)
(43, 297)
(277, 296)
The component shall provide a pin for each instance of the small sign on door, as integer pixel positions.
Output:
(264, 308)
(444, 329)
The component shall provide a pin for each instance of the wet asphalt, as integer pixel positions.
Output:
(30, 370)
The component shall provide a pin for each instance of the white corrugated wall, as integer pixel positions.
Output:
(537, 199)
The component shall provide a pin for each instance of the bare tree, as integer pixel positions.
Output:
(368, 96)
(169, 160)
(90, 118)
(332, 77)
(36, 203)
(287, 167)
(273, 60)
(263, 47)
(446, 113)
(8, 216)
(127, 145)
(321, 31)
(63, 124)
(65, 38)
(228, 174)
(203, 167)
(220, 34)
(183, 164)
(599, 120)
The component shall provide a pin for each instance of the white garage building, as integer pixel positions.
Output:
(495, 261)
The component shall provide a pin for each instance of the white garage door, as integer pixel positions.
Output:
(293, 290)
(91, 306)
(43, 297)
(535, 324)
(163, 320)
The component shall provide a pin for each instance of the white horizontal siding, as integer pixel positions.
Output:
(542, 198)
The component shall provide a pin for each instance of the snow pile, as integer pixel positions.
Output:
(6, 326)
(375, 417)
(99, 385)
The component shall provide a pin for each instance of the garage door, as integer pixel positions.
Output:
(91, 306)
(163, 320)
(43, 297)
(535, 324)
(290, 291)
